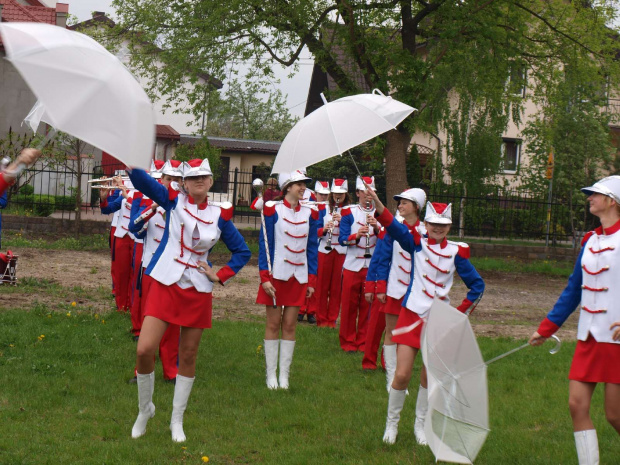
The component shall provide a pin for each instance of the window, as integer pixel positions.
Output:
(517, 81)
(511, 154)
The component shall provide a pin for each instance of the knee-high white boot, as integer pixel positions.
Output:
(389, 355)
(421, 408)
(587, 447)
(395, 405)
(146, 385)
(182, 389)
(286, 358)
(271, 362)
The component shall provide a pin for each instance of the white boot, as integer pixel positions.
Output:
(286, 358)
(421, 408)
(271, 361)
(389, 355)
(146, 384)
(395, 405)
(587, 447)
(182, 389)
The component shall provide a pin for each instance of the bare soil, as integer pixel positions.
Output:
(512, 306)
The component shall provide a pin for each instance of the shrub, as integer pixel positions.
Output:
(26, 189)
(44, 205)
(65, 202)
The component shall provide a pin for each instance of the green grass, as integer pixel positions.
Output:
(92, 242)
(64, 399)
(509, 265)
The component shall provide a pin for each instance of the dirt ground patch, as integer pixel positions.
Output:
(513, 303)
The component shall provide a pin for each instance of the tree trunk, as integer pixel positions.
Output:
(395, 152)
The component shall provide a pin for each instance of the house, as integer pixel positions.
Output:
(16, 99)
(173, 116)
(243, 160)
(431, 145)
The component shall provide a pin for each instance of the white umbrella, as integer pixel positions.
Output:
(85, 90)
(35, 116)
(457, 422)
(337, 127)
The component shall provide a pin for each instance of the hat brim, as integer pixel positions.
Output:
(293, 181)
(323, 192)
(339, 190)
(156, 175)
(438, 221)
(198, 173)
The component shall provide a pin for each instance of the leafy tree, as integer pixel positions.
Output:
(201, 149)
(249, 111)
(426, 53)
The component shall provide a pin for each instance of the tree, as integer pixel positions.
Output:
(426, 53)
(201, 149)
(249, 111)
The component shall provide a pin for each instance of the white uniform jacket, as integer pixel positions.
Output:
(353, 218)
(293, 242)
(433, 268)
(122, 225)
(147, 225)
(191, 232)
(326, 214)
(595, 284)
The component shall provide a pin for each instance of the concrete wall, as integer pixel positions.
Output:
(16, 99)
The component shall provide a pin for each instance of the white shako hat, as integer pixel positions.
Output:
(438, 213)
(609, 186)
(340, 186)
(285, 179)
(416, 195)
(359, 185)
(196, 167)
(321, 187)
(172, 168)
(156, 167)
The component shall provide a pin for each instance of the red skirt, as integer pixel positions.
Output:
(392, 306)
(289, 293)
(412, 338)
(183, 307)
(596, 362)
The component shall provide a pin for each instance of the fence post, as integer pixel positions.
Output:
(234, 199)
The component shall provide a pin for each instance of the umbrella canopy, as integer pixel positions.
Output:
(457, 422)
(85, 90)
(337, 127)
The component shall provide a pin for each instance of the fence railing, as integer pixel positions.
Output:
(497, 213)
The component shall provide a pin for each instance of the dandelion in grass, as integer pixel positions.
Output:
(73, 304)
(11, 345)
(205, 459)
(96, 316)
(41, 337)
(68, 313)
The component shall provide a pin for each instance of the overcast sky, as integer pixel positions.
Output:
(295, 89)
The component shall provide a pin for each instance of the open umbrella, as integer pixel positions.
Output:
(337, 127)
(457, 422)
(85, 90)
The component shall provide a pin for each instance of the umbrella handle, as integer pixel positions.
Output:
(553, 351)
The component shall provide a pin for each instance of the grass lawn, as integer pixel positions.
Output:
(64, 399)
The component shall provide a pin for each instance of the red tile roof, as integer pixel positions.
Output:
(167, 132)
(36, 13)
(12, 11)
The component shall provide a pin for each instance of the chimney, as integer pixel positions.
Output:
(98, 13)
(62, 11)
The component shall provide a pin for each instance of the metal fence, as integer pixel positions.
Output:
(496, 213)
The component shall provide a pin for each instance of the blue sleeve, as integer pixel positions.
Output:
(345, 230)
(270, 222)
(371, 274)
(135, 213)
(114, 203)
(235, 243)
(3, 200)
(151, 188)
(312, 250)
(470, 277)
(570, 297)
(384, 258)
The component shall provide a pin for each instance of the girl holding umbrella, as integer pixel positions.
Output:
(594, 284)
(182, 281)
